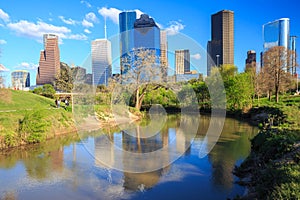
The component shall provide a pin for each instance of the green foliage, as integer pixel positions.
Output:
(38, 90)
(48, 91)
(162, 96)
(64, 80)
(34, 126)
(10, 139)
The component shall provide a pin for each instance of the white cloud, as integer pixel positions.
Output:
(91, 17)
(3, 42)
(110, 13)
(196, 56)
(3, 68)
(4, 16)
(86, 23)
(174, 28)
(67, 21)
(28, 66)
(86, 3)
(138, 13)
(36, 30)
(87, 31)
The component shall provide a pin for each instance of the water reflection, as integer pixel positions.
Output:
(63, 168)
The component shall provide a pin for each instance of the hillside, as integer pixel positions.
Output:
(29, 118)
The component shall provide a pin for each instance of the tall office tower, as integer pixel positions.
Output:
(294, 55)
(126, 24)
(277, 33)
(101, 61)
(20, 79)
(221, 47)
(49, 64)
(182, 61)
(147, 34)
(251, 61)
(164, 53)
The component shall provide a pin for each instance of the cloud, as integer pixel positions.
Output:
(86, 23)
(36, 30)
(110, 13)
(67, 21)
(91, 17)
(4, 16)
(3, 68)
(87, 31)
(174, 28)
(196, 56)
(28, 66)
(138, 13)
(87, 4)
(3, 42)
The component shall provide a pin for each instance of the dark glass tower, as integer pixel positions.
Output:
(126, 23)
(221, 47)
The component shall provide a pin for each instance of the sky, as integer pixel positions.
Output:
(78, 22)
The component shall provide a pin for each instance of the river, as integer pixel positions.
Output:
(85, 167)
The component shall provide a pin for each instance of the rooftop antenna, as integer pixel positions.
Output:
(105, 34)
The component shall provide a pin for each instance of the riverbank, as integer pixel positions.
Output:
(272, 170)
(29, 118)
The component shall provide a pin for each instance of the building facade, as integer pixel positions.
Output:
(101, 61)
(277, 33)
(126, 25)
(20, 79)
(221, 47)
(251, 61)
(49, 64)
(164, 53)
(182, 61)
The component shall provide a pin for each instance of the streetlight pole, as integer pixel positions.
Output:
(217, 59)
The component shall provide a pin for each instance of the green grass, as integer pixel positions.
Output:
(29, 118)
(20, 100)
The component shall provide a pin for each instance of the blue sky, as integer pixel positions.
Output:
(78, 22)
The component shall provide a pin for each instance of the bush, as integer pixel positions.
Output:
(33, 127)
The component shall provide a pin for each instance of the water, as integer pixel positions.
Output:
(70, 168)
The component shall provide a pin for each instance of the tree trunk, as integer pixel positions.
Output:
(277, 94)
(137, 99)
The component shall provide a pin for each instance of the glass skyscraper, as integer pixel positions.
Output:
(126, 24)
(277, 33)
(101, 61)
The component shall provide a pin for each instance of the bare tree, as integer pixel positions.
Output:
(142, 72)
(276, 64)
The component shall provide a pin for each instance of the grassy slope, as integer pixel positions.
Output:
(17, 104)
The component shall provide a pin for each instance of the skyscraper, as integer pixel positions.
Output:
(182, 61)
(20, 79)
(294, 54)
(277, 33)
(49, 64)
(126, 24)
(164, 53)
(101, 61)
(251, 60)
(147, 34)
(221, 47)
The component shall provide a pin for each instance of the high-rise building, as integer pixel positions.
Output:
(147, 34)
(126, 24)
(20, 79)
(277, 33)
(294, 55)
(221, 47)
(164, 53)
(251, 60)
(49, 64)
(101, 61)
(182, 61)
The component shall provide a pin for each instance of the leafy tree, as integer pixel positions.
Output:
(276, 64)
(143, 73)
(48, 91)
(64, 79)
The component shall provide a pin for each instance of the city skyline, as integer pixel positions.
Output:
(84, 22)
